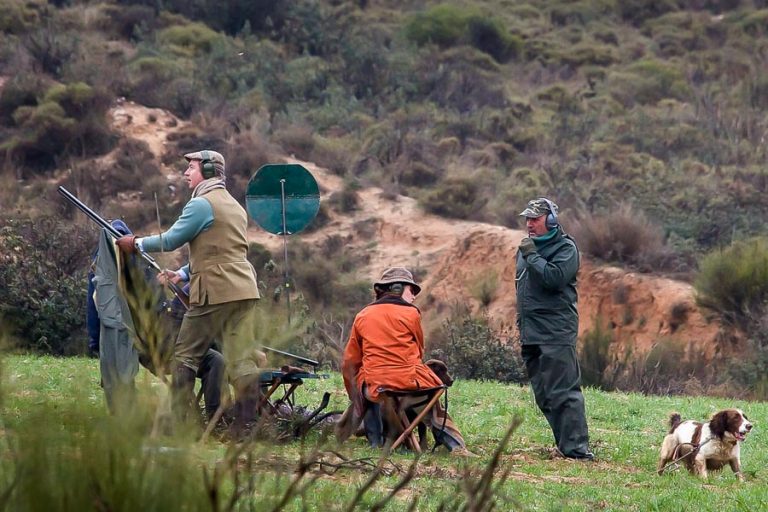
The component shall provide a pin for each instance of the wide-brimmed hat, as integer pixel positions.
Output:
(398, 275)
(216, 158)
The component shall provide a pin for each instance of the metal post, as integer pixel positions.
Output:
(285, 251)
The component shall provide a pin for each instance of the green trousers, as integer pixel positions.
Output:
(231, 324)
(556, 382)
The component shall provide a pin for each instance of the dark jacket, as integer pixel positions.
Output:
(546, 292)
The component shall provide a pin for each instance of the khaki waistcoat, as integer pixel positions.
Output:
(219, 269)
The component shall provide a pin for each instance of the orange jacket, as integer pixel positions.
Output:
(385, 350)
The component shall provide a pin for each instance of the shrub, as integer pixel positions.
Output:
(51, 48)
(647, 82)
(296, 140)
(20, 91)
(734, 280)
(625, 236)
(70, 120)
(594, 356)
(665, 369)
(18, 16)
(44, 272)
(484, 287)
(637, 11)
(454, 197)
(347, 199)
(472, 350)
(126, 21)
(489, 35)
(443, 25)
(191, 40)
(450, 25)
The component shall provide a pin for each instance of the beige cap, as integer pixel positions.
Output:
(207, 155)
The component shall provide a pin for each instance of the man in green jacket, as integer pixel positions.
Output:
(548, 321)
(223, 290)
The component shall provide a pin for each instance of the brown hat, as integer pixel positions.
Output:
(206, 155)
(398, 275)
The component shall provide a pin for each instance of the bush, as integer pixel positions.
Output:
(70, 120)
(19, 91)
(734, 280)
(637, 12)
(190, 40)
(44, 272)
(627, 237)
(347, 199)
(18, 16)
(296, 140)
(647, 82)
(442, 25)
(449, 25)
(454, 197)
(489, 35)
(484, 287)
(472, 350)
(51, 48)
(594, 356)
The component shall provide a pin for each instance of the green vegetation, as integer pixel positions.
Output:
(54, 424)
(734, 280)
(645, 120)
(472, 350)
(603, 103)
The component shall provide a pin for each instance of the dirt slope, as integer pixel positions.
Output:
(455, 255)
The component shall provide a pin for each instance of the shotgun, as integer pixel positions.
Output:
(183, 297)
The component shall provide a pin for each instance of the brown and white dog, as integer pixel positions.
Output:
(703, 446)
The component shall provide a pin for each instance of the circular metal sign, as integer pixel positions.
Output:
(274, 183)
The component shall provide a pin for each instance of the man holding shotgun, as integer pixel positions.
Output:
(223, 290)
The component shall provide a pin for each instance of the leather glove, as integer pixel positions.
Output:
(127, 244)
(527, 246)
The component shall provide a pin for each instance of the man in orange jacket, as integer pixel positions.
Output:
(386, 351)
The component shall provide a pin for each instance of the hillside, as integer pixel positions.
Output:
(637, 309)
(428, 124)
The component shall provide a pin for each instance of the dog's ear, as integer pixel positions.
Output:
(440, 369)
(718, 424)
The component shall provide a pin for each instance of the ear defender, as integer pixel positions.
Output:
(551, 221)
(207, 169)
(397, 288)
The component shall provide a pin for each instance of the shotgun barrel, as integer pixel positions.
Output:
(300, 359)
(95, 217)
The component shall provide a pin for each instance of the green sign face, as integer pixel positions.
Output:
(268, 187)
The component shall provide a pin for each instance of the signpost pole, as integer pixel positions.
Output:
(286, 274)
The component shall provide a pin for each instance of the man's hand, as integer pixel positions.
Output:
(527, 246)
(127, 244)
(169, 275)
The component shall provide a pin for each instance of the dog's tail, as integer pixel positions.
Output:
(674, 420)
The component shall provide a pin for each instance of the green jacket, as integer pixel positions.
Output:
(545, 282)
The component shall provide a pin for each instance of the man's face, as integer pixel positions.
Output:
(408, 295)
(193, 174)
(537, 226)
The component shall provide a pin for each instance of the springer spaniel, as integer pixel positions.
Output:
(703, 446)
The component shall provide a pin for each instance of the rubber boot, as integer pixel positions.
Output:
(374, 427)
(246, 409)
(182, 392)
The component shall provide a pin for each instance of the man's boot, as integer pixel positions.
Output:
(182, 392)
(247, 397)
(374, 428)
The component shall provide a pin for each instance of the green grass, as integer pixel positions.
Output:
(626, 431)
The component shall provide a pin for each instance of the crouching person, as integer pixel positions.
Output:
(385, 351)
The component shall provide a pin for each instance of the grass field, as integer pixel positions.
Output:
(60, 399)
